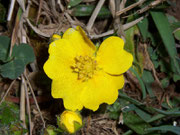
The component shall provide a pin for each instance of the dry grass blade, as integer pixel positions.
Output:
(7, 91)
(112, 7)
(110, 32)
(151, 5)
(34, 97)
(15, 30)
(37, 30)
(94, 15)
(11, 10)
(130, 7)
(22, 103)
(22, 5)
(39, 11)
(28, 107)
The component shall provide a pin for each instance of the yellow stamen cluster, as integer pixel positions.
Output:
(85, 66)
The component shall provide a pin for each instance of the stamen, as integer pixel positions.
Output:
(85, 67)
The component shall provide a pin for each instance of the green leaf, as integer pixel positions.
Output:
(73, 3)
(124, 96)
(114, 115)
(154, 57)
(152, 37)
(9, 113)
(162, 114)
(140, 82)
(10, 123)
(171, 19)
(165, 32)
(129, 132)
(135, 123)
(12, 69)
(128, 108)
(174, 23)
(176, 77)
(148, 80)
(175, 112)
(22, 55)
(175, 26)
(141, 113)
(173, 103)
(166, 128)
(4, 45)
(165, 82)
(156, 117)
(2, 13)
(131, 47)
(115, 109)
(152, 53)
(50, 130)
(164, 66)
(23, 52)
(177, 34)
(87, 10)
(143, 27)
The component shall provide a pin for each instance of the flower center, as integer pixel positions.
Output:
(85, 66)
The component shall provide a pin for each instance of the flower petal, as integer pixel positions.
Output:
(80, 40)
(102, 88)
(112, 57)
(68, 89)
(61, 58)
(55, 37)
(58, 67)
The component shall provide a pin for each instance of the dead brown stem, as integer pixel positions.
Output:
(7, 91)
(22, 103)
(130, 7)
(39, 11)
(34, 97)
(94, 15)
(125, 27)
(28, 106)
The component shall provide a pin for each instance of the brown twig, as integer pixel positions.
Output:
(28, 106)
(34, 97)
(7, 91)
(94, 15)
(39, 11)
(11, 10)
(151, 5)
(21, 4)
(122, 4)
(22, 102)
(117, 20)
(72, 22)
(152, 67)
(112, 7)
(37, 30)
(110, 32)
(52, 6)
(14, 33)
(130, 7)
(60, 5)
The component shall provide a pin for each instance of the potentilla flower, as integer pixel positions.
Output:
(84, 76)
(70, 121)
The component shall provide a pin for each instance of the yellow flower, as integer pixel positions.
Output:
(84, 76)
(70, 121)
(55, 37)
